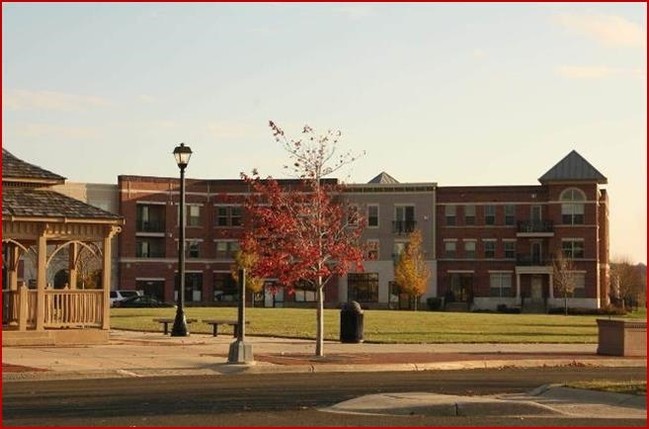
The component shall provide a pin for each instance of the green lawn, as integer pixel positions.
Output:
(386, 326)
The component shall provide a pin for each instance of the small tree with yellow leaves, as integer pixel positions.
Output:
(411, 271)
(247, 261)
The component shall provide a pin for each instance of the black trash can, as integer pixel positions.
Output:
(351, 323)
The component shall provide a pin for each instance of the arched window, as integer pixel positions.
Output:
(572, 206)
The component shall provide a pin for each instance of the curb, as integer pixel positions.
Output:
(224, 368)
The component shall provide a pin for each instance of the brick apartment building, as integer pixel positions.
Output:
(486, 245)
(495, 244)
(149, 248)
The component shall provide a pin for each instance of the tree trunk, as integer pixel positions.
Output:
(319, 348)
(565, 302)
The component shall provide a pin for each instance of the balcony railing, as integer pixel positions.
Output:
(403, 226)
(535, 226)
(526, 260)
(150, 226)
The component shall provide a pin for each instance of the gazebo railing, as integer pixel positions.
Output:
(63, 308)
(73, 308)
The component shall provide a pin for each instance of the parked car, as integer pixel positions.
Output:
(142, 301)
(120, 295)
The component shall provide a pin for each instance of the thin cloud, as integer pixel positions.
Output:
(20, 99)
(479, 54)
(231, 130)
(144, 98)
(355, 11)
(608, 30)
(39, 130)
(597, 72)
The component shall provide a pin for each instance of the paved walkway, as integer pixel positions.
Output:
(140, 354)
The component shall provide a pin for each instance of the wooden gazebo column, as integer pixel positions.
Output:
(111, 231)
(41, 279)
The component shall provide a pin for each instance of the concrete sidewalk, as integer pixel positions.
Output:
(139, 354)
(143, 354)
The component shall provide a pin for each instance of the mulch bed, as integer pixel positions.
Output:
(6, 367)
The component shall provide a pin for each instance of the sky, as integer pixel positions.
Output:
(451, 93)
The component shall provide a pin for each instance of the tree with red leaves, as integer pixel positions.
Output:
(301, 231)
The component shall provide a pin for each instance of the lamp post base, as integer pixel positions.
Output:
(240, 352)
(180, 326)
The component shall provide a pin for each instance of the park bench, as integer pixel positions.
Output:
(216, 322)
(166, 323)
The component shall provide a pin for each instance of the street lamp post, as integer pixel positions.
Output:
(182, 154)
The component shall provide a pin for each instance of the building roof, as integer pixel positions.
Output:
(384, 179)
(17, 170)
(31, 202)
(573, 168)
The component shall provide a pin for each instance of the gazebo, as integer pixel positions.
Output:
(38, 225)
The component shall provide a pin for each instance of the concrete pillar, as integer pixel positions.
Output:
(518, 285)
(551, 286)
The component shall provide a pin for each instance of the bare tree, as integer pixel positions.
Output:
(564, 277)
(626, 282)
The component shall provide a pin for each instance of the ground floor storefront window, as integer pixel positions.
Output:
(363, 287)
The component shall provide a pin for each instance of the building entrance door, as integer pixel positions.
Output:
(537, 289)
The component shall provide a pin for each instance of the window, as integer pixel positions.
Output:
(580, 285)
(510, 214)
(489, 249)
(154, 288)
(373, 216)
(449, 213)
(399, 247)
(372, 250)
(469, 214)
(225, 288)
(193, 215)
(228, 216)
(304, 292)
(150, 218)
(572, 206)
(363, 287)
(500, 284)
(460, 287)
(469, 249)
(573, 249)
(510, 249)
(352, 214)
(150, 247)
(193, 287)
(404, 219)
(450, 248)
(490, 215)
(193, 249)
(226, 249)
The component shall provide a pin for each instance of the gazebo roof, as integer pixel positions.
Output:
(27, 195)
(17, 170)
(43, 203)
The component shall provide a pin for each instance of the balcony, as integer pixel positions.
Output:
(403, 226)
(150, 226)
(526, 260)
(535, 229)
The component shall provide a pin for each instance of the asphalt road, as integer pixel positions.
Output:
(276, 399)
